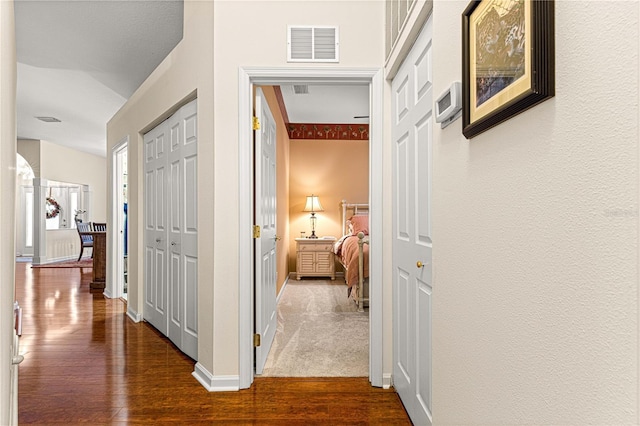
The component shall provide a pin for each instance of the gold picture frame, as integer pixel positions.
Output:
(508, 60)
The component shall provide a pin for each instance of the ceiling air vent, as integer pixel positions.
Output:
(49, 119)
(301, 89)
(312, 44)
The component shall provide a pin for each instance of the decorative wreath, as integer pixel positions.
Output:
(53, 208)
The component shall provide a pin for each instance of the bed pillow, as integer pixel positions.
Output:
(359, 223)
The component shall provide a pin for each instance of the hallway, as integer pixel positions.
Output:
(85, 361)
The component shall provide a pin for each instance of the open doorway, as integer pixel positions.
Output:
(120, 230)
(248, 78)
(322, 160)
(24, 210)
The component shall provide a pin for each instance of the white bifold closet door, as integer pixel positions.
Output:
(170, 229)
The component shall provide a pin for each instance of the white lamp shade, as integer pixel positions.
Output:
(313, 204)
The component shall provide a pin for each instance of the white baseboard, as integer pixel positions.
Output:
(46, 260)
(215, 383)
(286, 281)
(292, 275)
(38, 260)
(387, 381)
(135, 317)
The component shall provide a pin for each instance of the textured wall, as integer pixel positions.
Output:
(335, 171)
(259, 40)
(535, 312)
(215, 37)
(186, 70)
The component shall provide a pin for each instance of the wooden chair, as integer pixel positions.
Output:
(99, 227)
(86, 240)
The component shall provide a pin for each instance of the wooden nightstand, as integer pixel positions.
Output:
(315, 258)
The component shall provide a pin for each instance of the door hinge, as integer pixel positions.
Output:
(256, 231)
(256, 340)
(256, 123)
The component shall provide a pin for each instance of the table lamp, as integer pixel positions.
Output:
(313, 205)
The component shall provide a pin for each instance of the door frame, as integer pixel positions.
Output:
(247, 78)
(115, 286)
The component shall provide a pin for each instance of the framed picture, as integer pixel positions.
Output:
(508, 60)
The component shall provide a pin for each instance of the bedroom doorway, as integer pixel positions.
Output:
(318, 321)
(249, 78)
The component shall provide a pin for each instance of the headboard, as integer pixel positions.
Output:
(351, 209)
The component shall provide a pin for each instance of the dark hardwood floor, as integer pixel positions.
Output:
(87, 362)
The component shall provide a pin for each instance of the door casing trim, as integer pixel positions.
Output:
(247, 77)
(113, 287)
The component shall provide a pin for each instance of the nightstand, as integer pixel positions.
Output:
(315, 257)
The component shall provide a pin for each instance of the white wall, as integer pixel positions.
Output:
(29, 149)
(69, 165)
(55, 162)
(535, 224)
(187, 70)
(257, 39)
(7, 207)
(64, 164)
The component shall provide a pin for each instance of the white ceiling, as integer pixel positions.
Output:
(327, 104)
(80, 60)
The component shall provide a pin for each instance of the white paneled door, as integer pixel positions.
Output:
(155, 227)
(171, 257)
(265, 245)
(412, 102)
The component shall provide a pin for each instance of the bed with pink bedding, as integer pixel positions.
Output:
(349, 253)
(352, 250)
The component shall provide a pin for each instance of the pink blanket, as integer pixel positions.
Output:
(348, 253)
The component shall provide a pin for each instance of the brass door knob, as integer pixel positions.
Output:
(419, 264)
(277, 238)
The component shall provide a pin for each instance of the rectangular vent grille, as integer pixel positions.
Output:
(301, 89)
(312, 44)
(49, 119)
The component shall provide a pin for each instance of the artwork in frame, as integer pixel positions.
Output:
(508, 60)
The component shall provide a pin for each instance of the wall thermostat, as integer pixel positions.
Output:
(449, 105)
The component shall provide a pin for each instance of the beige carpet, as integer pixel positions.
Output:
(320, 333)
